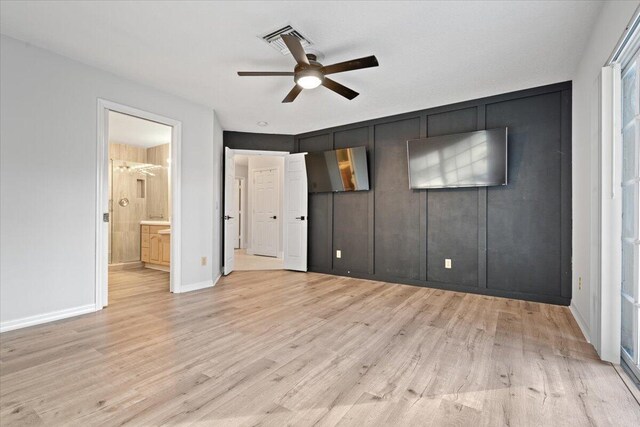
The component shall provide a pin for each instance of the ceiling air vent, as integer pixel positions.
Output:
(275, 41)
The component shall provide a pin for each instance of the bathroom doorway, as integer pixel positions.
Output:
(137, 233)
(139, 205)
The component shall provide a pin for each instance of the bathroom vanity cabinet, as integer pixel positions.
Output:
(155, 244)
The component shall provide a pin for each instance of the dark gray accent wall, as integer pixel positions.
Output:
(524, 226)
(512, 241)
(354, 242)
(320, 223)
(396, 206)
(453, 209)
(258, 141)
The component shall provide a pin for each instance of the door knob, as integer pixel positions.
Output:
(300, 217)
(228, 217)
(274, 217)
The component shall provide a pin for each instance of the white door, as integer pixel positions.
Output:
(237, 224)
(266, 201)
(295, 212)
(230, 235)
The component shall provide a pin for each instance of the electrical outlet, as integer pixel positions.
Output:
(447, 263)
(203, 260)
(580, 283)
(338, 253)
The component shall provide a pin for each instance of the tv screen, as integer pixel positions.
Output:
(472, 159)
(337, 170)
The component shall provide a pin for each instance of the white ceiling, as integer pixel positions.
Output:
(124, 129)
(430, 53)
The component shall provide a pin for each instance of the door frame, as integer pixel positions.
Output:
(102, 199)
(279, 253)
(224, 178)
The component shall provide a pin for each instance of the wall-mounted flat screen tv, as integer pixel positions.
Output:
(472, 159)
(337, 170)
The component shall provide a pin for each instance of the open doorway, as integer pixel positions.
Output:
(138, 227)
(265, 199)
(139, 206)
(257, 212)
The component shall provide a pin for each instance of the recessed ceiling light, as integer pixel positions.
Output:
(263, 124)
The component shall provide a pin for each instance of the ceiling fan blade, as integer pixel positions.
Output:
(293, 94)
(339, 89)
(296, 49)
(354, 64)
(265, 73)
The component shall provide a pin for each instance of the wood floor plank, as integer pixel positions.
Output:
(282, 348)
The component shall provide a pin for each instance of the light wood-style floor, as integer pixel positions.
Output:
(281, 348)
(246, 262)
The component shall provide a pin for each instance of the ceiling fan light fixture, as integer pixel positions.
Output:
(309, 79)
(309, 73)
(309, 82)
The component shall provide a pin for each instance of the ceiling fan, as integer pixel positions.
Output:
(309, 73)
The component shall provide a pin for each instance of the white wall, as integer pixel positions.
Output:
(260, 162)
(611, 24)
(48, 151)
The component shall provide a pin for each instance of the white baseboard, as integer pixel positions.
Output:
(200, 285)
(46, 317)
(125, 265)
(581, 323)
(157, 267)
(279, 254)
(196, 286)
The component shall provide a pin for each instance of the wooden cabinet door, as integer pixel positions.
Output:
(144, 243)
(144, 253)
(144, 240)
(154, 248)
(165, 250)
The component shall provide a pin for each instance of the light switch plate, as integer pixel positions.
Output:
(203, 260)
(447, 263)
(338, 253)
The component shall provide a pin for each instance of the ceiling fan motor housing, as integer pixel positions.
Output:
(311, 70)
